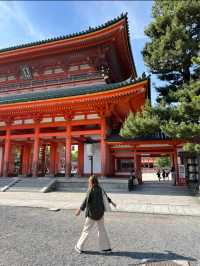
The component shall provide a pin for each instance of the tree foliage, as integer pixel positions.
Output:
(141, 123)
(174, 37)
(74, 155)
(180, 121)
(163, 162)
(172, 53)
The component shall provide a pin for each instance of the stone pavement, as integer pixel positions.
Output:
(151, 197)
(36, 236)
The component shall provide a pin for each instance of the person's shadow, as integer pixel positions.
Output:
(147, 256)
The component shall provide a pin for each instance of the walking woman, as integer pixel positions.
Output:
(94, 206)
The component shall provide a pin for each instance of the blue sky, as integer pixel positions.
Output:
(27, 21)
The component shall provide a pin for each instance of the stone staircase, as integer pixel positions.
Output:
(6, 182)
(161, 188)
(31, 184)
(75, 184)
(81, 185)
(46, 184)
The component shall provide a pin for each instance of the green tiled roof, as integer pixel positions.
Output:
(118, 138)
(65, 92)
(64, 37)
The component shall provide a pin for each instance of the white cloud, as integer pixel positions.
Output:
(13, 17)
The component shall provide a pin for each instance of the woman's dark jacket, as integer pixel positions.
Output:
(93, 203)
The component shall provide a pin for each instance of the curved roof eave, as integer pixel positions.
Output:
(65, 93)
(74, 35)
(66, 37)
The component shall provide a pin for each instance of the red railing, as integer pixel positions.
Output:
(47, 82)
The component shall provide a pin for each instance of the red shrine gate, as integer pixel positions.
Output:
(68, 127)
(72, 90)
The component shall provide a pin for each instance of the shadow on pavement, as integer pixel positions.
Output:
(148, 256)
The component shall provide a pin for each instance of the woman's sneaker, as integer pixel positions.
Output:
(78, 250)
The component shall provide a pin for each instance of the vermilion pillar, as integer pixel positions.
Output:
(103, 147)
(35, 152)
(29, 159)
(7, 153)
(139, 170)
(1, 160)
(21, 159)
(68, 151)
(81, 159)
(135, 161)
(137, 167)
(172, 159)
(176, 164)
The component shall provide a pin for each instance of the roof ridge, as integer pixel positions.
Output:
(68, 36)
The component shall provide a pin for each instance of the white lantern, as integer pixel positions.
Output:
(90, 150)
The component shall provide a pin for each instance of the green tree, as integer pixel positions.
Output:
(74, 155)
(142, 123)
(163, 162)
(180, 121)
(174, 36)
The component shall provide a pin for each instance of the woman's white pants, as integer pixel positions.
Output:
(102, 234)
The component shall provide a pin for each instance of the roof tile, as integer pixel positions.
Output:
(65, 92)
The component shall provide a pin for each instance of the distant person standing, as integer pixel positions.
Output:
(167, 174)
(173, 175)
(158, 174)
(130, 181)
(163, 174)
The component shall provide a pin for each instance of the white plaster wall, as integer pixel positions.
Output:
(96, 159)
(28, 121)
(79, 117)
(17, 122)
(92, 116)
(59, 118)
(46, 120)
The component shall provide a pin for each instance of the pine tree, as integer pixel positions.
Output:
(174, 37)
(172, 53)
(180, 121)
(142, 123)
(185, 123)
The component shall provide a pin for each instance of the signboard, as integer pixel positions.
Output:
(181, 169)
(26, 72)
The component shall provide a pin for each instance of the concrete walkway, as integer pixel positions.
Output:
(151, 197)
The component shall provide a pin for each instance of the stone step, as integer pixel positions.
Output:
(30, 184)
(81, 186)
(150, 189)
(5, 183)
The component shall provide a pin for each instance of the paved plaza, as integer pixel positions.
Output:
(37, 236)
(155, 223)
(152, 197)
